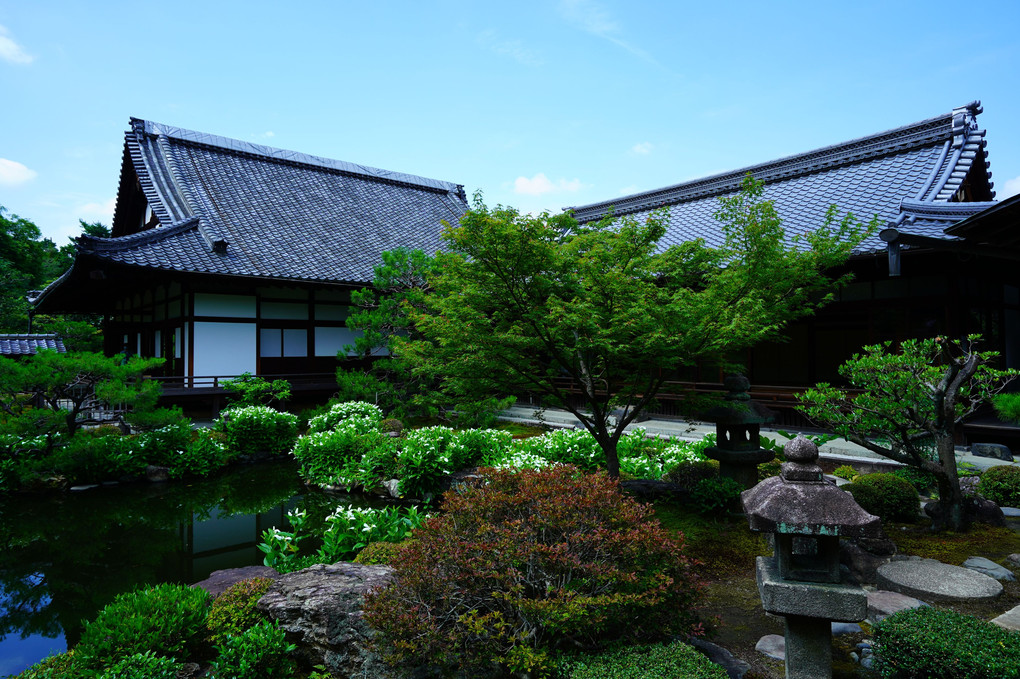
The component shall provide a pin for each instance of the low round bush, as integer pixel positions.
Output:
(716, 494)
(659, 661)
(526, 562)
(261, 652)
(931, 643)
(888, 497)
(259, 430)
(168, 618)
(1001, 485)
(233, 611)
(688, 474)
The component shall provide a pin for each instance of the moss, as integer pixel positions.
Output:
(991, 542)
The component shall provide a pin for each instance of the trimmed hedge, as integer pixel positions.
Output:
(931, 643)
(886, 496)
(1001, 485)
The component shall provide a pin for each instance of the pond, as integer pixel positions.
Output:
(65, 556)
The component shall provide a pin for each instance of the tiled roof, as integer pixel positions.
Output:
(231, 207)
(24, 345)
(909, 177)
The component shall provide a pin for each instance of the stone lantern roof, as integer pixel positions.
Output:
(801, 502)
(739, 408)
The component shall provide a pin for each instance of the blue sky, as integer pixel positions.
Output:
(540, 105)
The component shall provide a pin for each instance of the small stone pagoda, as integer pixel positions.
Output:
(738, 431)
(802, 581)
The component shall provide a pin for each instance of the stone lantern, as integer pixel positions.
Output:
(802, 581)
(738, 429)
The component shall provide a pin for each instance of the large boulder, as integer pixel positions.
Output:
(320, 608)
(219, 581)
(864, 556)
(976, 510)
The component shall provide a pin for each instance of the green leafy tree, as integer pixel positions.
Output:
(385, 315)
(249, 390)
(46, 393)
(908, 405)
(543, 304)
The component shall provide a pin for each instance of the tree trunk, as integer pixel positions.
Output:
(953, 516)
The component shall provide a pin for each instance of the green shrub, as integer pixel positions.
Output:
(886, 496)
(922, 480)
(333, 457)
(339, 412)
(165, 445)
(261, 652)
(233, 611)
(391, 426)
(145, 665)
(1001, 485)
(94, 455)
(258, 430)
(207, 452)
(248, 390)
(658, 661)
(425, 458)
(168, 618)
(931, 643)
(845, 471)
(527, 562)
(689, 474)
(716, 494)
(380, 553)
(1007, 406)
(769, 469)
(157, 418)
(350, 529)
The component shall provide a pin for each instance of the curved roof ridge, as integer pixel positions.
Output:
(896, 140)
(97, 244)
(283, 155)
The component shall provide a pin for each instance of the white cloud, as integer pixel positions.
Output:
(11, 51)
(103, 211)
(1010, 187)
(591, 17)
(268, 134)
(642, 149)
(13, 173)
(514, 49)
(540, 184)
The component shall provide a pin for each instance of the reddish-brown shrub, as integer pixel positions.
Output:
(524, 562)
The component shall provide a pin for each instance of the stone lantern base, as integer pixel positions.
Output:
(808, 609)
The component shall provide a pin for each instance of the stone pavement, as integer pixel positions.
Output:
(839, 450)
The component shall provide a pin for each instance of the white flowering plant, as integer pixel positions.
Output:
(340, 412)
(255, 430)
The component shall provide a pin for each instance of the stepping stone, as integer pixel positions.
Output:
(1014, 559)
(1009, 620)
(772, 645)
(1010, 512)
(883, 603)
(936, 581)
(989, 568)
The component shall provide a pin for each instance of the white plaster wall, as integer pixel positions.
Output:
(224, 348)
(233, 306)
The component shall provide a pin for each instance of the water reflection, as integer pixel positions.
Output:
(63, 557)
